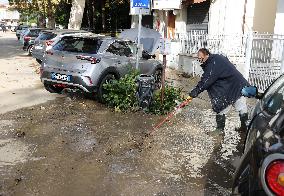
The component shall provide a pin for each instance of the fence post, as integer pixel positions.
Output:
(248, 55)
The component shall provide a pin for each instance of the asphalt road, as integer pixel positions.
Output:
(69, 145)
(20, 85)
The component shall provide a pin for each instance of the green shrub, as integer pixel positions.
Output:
(171, 95)
(121, 95)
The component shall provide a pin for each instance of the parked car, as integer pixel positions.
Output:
(47, 38)
(29, 38)
(88, 62)
(261, 170)
(23, 32)
(19, 30)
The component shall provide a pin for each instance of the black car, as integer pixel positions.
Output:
(261, 169)
(29, 39)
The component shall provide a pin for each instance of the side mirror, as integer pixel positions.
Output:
(251, 91)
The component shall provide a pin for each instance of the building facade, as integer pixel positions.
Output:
(7, 16)
(221, 17)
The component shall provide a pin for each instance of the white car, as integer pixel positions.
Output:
(19, 31)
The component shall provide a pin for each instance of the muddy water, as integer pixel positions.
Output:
(74, 146)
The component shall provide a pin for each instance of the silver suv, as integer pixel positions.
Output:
(88, 62)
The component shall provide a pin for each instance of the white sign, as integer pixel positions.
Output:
(166, 4)
(136, 11)
(165, 46)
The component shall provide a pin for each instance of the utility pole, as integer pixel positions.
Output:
(165, 5)
(139, 7)
(165, 16)
(139, 37)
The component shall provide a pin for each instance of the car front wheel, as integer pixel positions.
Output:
(30, 50)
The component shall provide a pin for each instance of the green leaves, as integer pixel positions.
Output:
(171, 95)
(121, 95)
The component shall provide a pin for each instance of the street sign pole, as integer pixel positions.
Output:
(139, 37)
(139, 7)
(165, 14)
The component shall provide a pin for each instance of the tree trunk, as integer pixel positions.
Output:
(76, 14)
(50, 15)
(103, 16)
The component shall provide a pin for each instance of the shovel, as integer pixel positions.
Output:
(176, 110)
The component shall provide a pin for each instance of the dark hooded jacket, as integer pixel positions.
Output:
(222, 81)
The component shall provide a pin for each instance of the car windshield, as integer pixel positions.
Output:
(46, 36)
(276, 90)
(122, 48)
(276, 86)
(81, 45)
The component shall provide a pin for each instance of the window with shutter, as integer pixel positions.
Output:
(198, 16)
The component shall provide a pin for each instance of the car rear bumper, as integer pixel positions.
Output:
(76, 82)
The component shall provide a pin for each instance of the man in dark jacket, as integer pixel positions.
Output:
(223, 83)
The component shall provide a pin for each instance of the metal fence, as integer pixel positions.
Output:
(259, 56)
(266, 59)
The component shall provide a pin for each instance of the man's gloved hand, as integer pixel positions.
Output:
(189, 98)
(249, 91)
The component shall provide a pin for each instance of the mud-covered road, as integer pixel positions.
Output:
(73, 146)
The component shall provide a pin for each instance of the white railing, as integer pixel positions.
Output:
(260, 56)
(266, 59)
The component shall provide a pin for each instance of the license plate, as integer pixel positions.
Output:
(38, 47)
(63, 77)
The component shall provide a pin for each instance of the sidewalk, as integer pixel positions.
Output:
(20, 86)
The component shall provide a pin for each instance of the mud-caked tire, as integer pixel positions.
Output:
(105, 79)
(30, 50)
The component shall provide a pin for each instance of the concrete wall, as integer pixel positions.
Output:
(279, 21)
(264, 16)
(249, 15)
(181, 19)
(226, 17)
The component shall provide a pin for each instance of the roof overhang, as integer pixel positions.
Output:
(193, 1)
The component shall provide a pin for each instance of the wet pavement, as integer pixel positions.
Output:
(75, 146)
